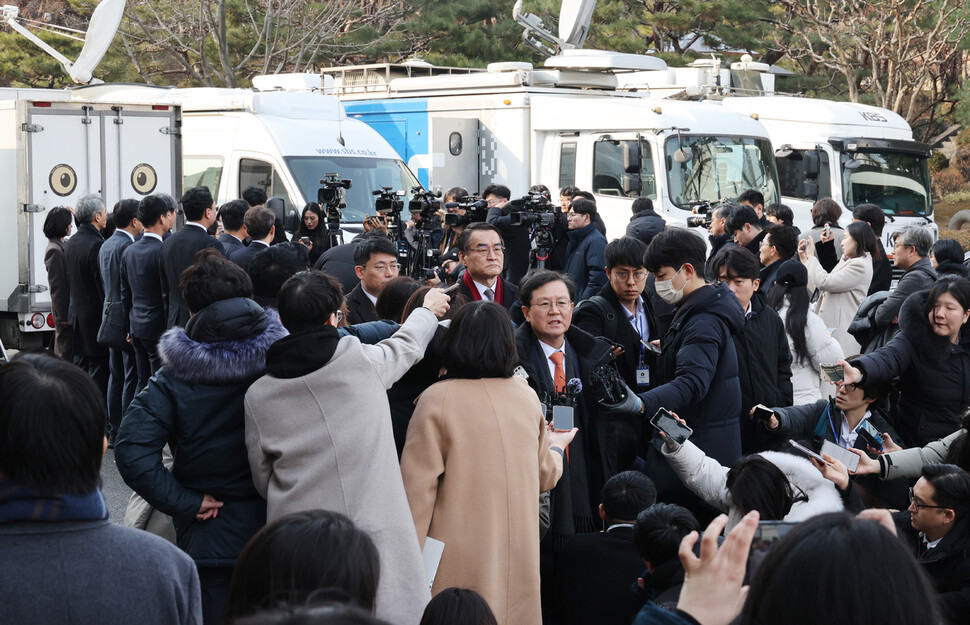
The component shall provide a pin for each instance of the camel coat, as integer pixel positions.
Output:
(476, 458)
(842, 291)
(324, 440)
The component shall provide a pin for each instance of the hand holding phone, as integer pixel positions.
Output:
(670, 426)
(762, 413)
(870, 435)
(808, 452)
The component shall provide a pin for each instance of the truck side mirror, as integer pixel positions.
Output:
(632, 185)
(632, 158)
(810, 164)
(278, 206)
(810, 189)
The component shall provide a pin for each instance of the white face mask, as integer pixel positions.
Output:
(667, 292)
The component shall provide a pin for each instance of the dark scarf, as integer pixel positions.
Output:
(302, 352)
(18, 503)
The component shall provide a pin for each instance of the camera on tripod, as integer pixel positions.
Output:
(703, 215)
(427, 203)
(333, 195)
(389, 202)
(533, 210)
(475, 211)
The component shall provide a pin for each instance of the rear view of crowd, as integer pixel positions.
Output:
(313, 438)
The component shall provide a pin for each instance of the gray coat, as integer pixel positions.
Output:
(324, 440)
(908, 463)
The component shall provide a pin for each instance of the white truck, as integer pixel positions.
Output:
(53, 150)
(563, 124)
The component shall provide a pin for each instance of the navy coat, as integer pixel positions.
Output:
(585, 261)
(141, 289)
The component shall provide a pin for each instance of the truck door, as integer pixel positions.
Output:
(454, 148)
(141, 154)
(63, 158)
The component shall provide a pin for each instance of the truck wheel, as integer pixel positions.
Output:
(960, 219)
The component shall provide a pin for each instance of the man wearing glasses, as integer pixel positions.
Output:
(482, 253)
(911, 250)
(622, 298)
(376, 264)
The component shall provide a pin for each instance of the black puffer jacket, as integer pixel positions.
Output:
(645, 225)
(195, 404)
(947, 565)
(934, 375)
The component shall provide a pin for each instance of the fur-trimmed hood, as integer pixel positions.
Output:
(195, 355)
(823, 496)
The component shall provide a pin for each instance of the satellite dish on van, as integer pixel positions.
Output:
(574, 19)
(101, 31)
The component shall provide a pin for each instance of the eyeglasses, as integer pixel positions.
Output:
(382, 267)
(340, 315)
(850, 388)
(484, 250)
(764, 243)
(545, 305)
(917, 505)
(622, 275)
(494, 201)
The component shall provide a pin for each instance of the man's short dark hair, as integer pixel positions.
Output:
(952, 486)
(212, 278)
(753, 196)
(582, 206)
(307, 300)
(675, 246)
(626, 494)
(741, 215)
(465, 238)
(642, 204)
(499, 190)
(586, 195)
(781, 212)
(259, 221)
(124, 211)
(480, 342)
(57, 222)
(569, 191)
(371, 245)
(456, 192)
(233, 213)
(627, 251)
(784, 239)
(255, 196)
(271, 267)
(660, 529)
(151, 208)
(538, 278)
(52, 420)
(540, 188)
(871, 214)
(736, 262)
(195, 202)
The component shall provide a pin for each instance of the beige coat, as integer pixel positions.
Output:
(842, 291)
(476, 458)
(324, 441)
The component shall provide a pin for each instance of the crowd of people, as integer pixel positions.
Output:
(312, 437)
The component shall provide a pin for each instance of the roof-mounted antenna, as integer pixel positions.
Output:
(101, 31)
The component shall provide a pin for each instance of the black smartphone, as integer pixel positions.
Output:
(870, 435)
(666, 423)
(760, 412)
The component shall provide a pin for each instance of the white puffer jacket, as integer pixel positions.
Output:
(707, 479)
(822, 348)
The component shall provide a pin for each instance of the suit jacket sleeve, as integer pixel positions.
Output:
(125, 286)
(797, 422)
(423, 460)
(163, 279)
(147, 426)
(596, 265)
(392, 357)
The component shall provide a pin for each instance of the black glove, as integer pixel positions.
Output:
(630, 404)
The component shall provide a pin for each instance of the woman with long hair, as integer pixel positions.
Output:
(844, 288)
(808, 339)
(313, 231)
(478, 454)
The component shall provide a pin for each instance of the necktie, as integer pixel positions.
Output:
(490, 295)
(559, 380)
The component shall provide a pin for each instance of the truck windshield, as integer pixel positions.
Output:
(897, 183)
(366, 174)
(719, 167)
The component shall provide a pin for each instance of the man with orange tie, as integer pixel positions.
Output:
(552, 353)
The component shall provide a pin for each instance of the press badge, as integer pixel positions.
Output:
(643, 376)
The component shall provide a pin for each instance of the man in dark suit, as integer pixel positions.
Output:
(141, 286)
(180, 248)
(87, 290)
(597, 570)
(123, 378)
(375, 262)
(516, 237)
(260, 223)
(622, 313)
(482, 253)
(235, 236)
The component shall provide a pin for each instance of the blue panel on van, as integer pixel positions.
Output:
(403, 124)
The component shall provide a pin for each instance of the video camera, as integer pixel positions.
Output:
(531, 210)
(333, 195)
(703, 214)
(425, 202)
(389, 202)
(475, 209)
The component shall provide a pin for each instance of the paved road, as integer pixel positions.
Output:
(115, 490)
